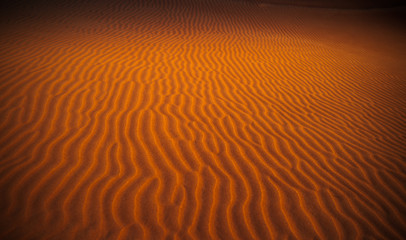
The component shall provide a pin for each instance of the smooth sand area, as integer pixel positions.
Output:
(203, 119)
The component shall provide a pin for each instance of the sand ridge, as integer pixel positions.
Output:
(196, 120)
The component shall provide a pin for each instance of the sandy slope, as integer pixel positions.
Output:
(201, 119)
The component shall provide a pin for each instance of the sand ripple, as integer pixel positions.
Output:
(203, 120)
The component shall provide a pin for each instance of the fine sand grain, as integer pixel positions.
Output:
(201, 119)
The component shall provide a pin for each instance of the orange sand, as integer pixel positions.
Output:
(202, 120)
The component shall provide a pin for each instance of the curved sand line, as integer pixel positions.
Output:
(205, 120)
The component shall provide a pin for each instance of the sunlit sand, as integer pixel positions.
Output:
(202, 120)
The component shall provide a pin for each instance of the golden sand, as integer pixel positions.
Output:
(202, 120)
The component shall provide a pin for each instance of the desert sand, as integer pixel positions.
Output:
(205, 119)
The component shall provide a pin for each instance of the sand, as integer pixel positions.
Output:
(201, 120)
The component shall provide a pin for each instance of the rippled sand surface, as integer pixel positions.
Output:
(201, 120)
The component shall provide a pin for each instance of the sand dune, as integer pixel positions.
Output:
(201, 120)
